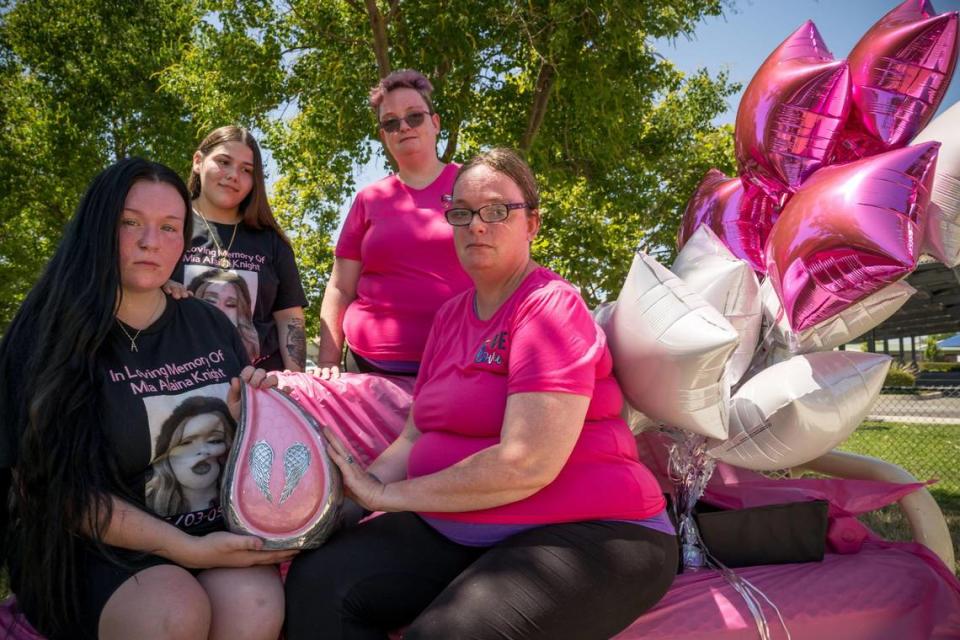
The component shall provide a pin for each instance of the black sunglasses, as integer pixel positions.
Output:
(413, 120)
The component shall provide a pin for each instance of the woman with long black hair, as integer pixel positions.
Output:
(92, 365)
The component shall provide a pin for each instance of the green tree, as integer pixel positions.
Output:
(79, 88)
(931, 351)
(617, 135)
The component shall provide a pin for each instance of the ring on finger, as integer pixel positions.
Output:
(349, 459)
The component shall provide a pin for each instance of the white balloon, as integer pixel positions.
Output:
(800, 409)
(942, 236)
(601, 315)
(942, 239)
(669, 350)
(730, 285)
(636, 421)
(856, 320)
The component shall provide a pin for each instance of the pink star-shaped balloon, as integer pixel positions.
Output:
(849, 231)
(791, 114)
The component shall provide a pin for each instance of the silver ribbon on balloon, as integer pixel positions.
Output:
(690, 469)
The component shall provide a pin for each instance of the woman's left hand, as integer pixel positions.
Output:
(176, 290)
(364, 488)
(256, 378)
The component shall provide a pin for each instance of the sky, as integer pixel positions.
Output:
(741, 40)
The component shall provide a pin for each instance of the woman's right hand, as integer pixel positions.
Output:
(325, 370)
(225, 549)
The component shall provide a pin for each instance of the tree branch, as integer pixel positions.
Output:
(464, 100)
(381, 47)
(451, 147)
(441, 70)
(541, 96)
(394, 9)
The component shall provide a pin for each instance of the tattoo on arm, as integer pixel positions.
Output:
(297, 342)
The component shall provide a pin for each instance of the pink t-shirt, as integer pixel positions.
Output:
(541, 339)
(408, 266)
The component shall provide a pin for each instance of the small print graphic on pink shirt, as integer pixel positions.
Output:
(492, 353)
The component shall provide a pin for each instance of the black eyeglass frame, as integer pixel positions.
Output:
(392, 125)
(509, 206)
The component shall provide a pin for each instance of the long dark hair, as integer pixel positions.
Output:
(255, 209)
(64, 469)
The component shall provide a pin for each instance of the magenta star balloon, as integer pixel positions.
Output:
(791, 114)
(740, 214)
(849, 231)
(900, 70)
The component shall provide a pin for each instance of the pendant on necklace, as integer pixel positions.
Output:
(224, 262)
(133, 346)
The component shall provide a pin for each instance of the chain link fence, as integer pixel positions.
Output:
(917, 428)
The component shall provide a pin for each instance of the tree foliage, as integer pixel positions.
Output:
(617, 135)
(79, 88)
(932, 351)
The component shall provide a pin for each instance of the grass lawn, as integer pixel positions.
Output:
(926, 451)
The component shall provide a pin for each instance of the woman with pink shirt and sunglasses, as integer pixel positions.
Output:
(394, 262)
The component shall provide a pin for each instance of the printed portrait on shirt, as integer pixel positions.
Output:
(234, 292)
(191, 435)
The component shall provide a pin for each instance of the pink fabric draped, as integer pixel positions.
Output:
(887, 591)
(367, 411)
(13, 624)
(865, 588)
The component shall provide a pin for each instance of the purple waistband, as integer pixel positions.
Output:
(482, 534)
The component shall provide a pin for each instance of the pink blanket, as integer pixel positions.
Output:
(867, 588)
(12, 623)
(367, 411)
(887, 591)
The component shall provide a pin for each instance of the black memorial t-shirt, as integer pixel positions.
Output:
(255, 278)
(164, 408)
(164, 411)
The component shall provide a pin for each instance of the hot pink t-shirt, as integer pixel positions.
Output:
(408, 266)
(541, 339)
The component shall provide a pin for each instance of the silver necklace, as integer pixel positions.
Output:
(133, 338)
(223, 256)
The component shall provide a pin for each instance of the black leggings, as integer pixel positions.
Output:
(354, 363)
(581, 581)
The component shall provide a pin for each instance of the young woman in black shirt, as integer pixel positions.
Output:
(235, 234)
(94, 365)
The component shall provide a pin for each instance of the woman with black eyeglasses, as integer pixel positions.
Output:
(394, 262)
(515, 506)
